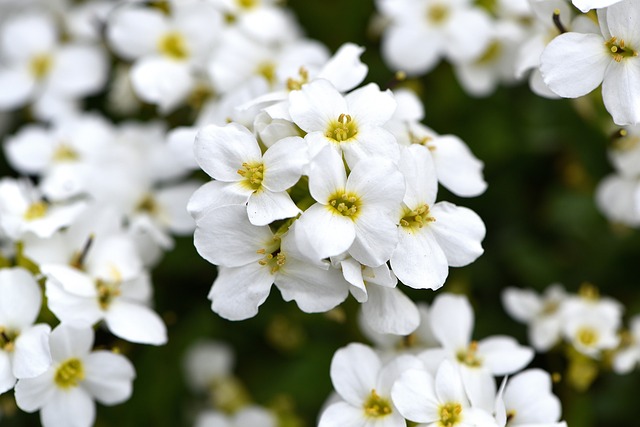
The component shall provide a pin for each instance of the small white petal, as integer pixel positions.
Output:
(135, 323)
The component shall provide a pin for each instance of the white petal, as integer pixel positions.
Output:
(315, 290)
(574, 64)
(316, 105)
(109, 377)
(69, 342)
(32, 356)
(214, 194)
(341, 414)
(70, 308)
(416, 163)
(452, 321)
(224, 236)
(327, 175)
(369, 105)
(529, 395)
(162, 81)
(376, 238)
(134, 32)
(7, 379)
(456, 167)
(78, 71)
(414, 396)
(265, 206)
(284, 162)
(135, 323)
(16, 88)
(418, 260)
(354, 370)
(448, 384)
(459, 231)
(345, 69)
(389, 311)
(378, 182)
(33, 393)
(69, 408)
(521, 304)
(221, 150)
(20, 298)
(503, 355)
(238, 292)
(411, 50)
(467, 44)
(71, 279)
(620, 91)
(328, 232)
(371, 142)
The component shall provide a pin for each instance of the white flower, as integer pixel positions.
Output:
(354, 213)
(65, 393)
(423, 31)
(252, 258)
(437, 400)
(231, 154)
(527, 400)
(23, 210)
(478, 361)
(543, 314)
(24, 347)
(35, 66)
(574, 64)
(364, 386)
(351, 124)
(457, 169)
(107, 283)
(591, 328)
(432, 236)
(166, 49)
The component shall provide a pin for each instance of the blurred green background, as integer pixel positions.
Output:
(542, 163)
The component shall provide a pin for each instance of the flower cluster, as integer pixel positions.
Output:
(449, 381)
(328, 193)
(587, 325)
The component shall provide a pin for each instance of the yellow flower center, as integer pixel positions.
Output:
(438, 13)
(450, 414)
(469, 356)
(69, 374)
(273, 257)
(417, 218)
(40, 66)
(65, 153)
(148, 205)
(345, 204)
(293, 84)
(619, 50)
(587, 336)
(342, 129)
(253, 174)
(247, 4)
(376, 406)
(107, 292)
(35, 211)
(7, 339)
(173, 45)
(268, 71)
